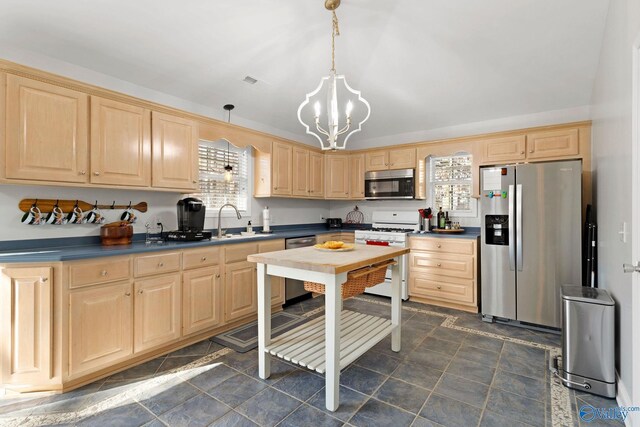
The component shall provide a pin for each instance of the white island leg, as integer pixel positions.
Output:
(264, 322)
(333, 310)
(396, 303)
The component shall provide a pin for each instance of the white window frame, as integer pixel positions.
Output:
(229, 212)
(431, 200)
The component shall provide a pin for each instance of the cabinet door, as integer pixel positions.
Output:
(46, 132)
(282, 169)
(201, 300)
(240, 290)
(356, 181)
(506, 149)
(175, 152)
(101, 327)
(551, 144)
(120, 143)
(300, 172)
(337, 177)
(316, 175)
(402, 159)
(377, 160)
(156, 311)
(25, 325)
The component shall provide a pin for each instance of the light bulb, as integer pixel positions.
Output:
(316, 108)
(349, 108)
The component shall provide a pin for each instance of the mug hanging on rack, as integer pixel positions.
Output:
(128, 215)
(56, 216)
(33, 216)
(94, 216)
(75, 216)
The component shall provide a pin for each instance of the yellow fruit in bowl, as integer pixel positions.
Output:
(333, 244)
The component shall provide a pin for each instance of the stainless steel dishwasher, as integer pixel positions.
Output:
(294, 289)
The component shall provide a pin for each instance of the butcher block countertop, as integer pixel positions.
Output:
(312, 259)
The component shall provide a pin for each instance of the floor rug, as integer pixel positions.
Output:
(245, 337)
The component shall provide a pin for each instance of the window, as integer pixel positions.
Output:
(214, 190)
(450, 179)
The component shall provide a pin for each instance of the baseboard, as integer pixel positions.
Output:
(623, 399)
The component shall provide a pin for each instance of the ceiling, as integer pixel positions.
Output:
(421, 64)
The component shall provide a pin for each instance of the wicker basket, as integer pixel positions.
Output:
(357, 280)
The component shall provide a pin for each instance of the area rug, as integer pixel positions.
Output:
(245, 337)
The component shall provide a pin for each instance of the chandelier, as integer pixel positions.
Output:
(334, 90)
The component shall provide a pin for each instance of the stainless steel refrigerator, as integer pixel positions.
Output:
(531, 241)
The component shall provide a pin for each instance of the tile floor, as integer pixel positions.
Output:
(453, 370)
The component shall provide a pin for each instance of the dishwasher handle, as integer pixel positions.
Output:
(300, 242)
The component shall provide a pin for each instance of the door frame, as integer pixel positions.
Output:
(635, 226)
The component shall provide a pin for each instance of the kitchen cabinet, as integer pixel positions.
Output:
(46, 132)
(444, 272)
(356, 177)
(241, 298)
(343, 236)
(316, 175)
(26, 297)
(282, 169)
(202, 299)
(504, 149)
(404, 158)
(174, 152)
(100, 327)
(120, 143)
(552, 144)
(157, 311)
(300, 172)
(337, 177)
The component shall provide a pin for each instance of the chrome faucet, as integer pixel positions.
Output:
(220, 212)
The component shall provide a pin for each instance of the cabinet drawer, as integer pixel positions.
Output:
(430, 287)
(239, 252)
(201, 258)
(156, 264)
(271, 246)
(442, 264)
(435, 244)
(99, 271)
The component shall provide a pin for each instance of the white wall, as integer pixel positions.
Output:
(612, 141)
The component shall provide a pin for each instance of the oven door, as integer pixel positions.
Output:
(392, 188)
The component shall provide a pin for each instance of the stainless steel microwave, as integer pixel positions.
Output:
(394, 184)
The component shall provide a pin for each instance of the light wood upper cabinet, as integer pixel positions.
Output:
(101, 327)
(201, 299)
(377, 160)
(404, 158)
(337, 177)
(174, 152)
(552, 144)
(500, 150)
(282, 179)
(26, 325)
(300, 172)
(356, 178)
(316, 175)
(120, 143)
(46, 132)
(157, 311)
(241, 292)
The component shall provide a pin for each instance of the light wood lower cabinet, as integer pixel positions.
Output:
(26, 325)
(101, 327)
(157, 311)
(444, 272)
(241, 292)
(344, 236)
(201, 299)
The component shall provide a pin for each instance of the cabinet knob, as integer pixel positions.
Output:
(194, 181)
(82, 172)
(44, 279)
(531, 151)
(127, 294)
(439, 245)
(103, 273)
(204, 258)
(275, 188)
(217, 276)
(439, 287)
(161, 264)
(522, 152)
(96, 173)
(439, 265)
(140, 291)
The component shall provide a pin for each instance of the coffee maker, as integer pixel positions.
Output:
(191, 214)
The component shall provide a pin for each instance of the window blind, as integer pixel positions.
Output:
(214, 191)
(451, 182)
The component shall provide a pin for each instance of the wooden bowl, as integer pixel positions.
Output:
(116, 233)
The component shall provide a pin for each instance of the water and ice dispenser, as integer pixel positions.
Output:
(496, 230)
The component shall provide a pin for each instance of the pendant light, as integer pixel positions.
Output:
(228, 168)
(334, 90)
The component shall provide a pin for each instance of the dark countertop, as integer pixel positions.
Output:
(469, 233)
(70, 249)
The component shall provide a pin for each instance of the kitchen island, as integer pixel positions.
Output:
(332, 342)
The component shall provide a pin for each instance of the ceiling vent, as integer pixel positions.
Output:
(250, 80)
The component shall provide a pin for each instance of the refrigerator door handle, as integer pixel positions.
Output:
(519, 226)
(512, 247)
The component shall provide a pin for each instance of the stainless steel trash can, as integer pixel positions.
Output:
(588, 352)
